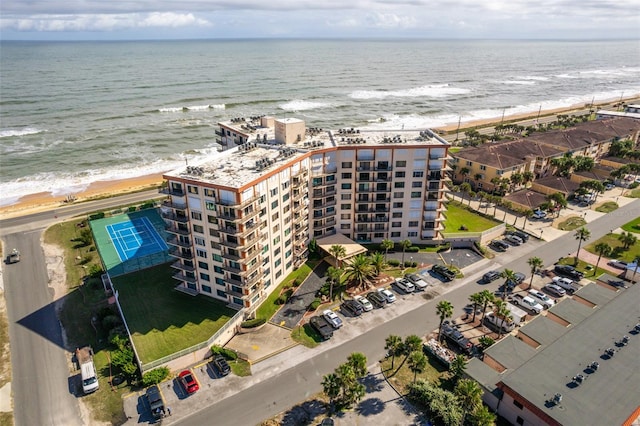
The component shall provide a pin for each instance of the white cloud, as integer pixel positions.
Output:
(390, 20)
(170, 19)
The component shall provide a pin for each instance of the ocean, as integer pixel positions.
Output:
(72, 113)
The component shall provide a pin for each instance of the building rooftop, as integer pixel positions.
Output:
(595, 294)
(571, 311)
(543, 330)
(526, 197)
(609, 394)
(558, 183)
(510, 352)
(606, 113)
(243, 164)
(483, 374)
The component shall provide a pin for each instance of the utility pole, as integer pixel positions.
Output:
(458, 129)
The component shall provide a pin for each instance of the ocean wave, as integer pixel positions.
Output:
(519, 82)
(533, 77)
(431, 91)
(192, 108)
(302, 105)
(8, 133)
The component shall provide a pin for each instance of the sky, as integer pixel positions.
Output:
(212, 19)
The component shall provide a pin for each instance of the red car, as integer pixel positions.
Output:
(189, 381)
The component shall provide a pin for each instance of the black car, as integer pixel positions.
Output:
(221, 365)
(454, 336)
(442, 271)
(322, 326)
(156, 401)
(518, 278)
(376, 299)
(490, 276)
(522, 235)
(569, 271)
(498, 245)
(352, 307)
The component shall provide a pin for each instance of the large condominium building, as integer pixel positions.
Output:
(242, 219)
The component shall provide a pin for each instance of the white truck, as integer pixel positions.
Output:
(518, 315)
(84, 358)
(527, 302)
(495, 322)
(568, 284)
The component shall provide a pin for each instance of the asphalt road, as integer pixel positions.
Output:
(42, 389)
(289, 387)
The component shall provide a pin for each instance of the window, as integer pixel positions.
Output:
(395, 235)
(278, 262)
(192, 189)
(398, 205)
(278, 274)
(397, 215)
(378, 235)
(285, 185)
(416, 184)
(287, 231)
(206, 289)
(418, 174)
(398, 194)
(277, 252)
(398, 185)
(203, 265)
(198, 228)
(416, 194)
(275, 216)
(347, 165)
(218, 269)
(345, 216)
(345, 226)
(285, 197)
(276, 240)
(199, 241)
(331, 210)
(346, 175)
(345, 186)
(221, 293)
(196, 215)
(345, 197)
(210, 206)
(274, 204)
(274, 191)
(212, 219)
(401, 163)
(413, 223)
(216, 257)
(209, 192)
(517, 404)
(345, 206)
(201, 253)
(483, 167)
(520, 420)
(287, 243)
(469, 163)
(276, 228)
(396, 224)
(400, 174)
(205, 277)
(412, 234)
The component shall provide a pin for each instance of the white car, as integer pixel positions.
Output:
(555, 290)
(332, 318)
(617, 264)
(418, 282)
(389, 297)
(539, 214)
(542, 298)
(364, 302)
(405, 285)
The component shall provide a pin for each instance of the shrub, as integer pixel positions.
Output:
(133, 209)
(86, 259)
(147, 205)
(155, 376)
(96, 216)
(314, 305)
(256, 322)
(393, 262)
(227, 353)
(413, 249)
(94, 271)
(634, 185)
(111, 321)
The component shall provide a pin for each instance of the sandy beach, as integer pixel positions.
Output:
(44, 200)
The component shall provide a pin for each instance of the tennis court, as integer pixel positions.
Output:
(131, 241)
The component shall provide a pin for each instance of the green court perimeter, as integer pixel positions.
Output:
(163, 321)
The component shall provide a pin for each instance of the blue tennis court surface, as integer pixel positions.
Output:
(135, 238)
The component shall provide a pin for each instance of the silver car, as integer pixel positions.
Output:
(405, 285)
(389, 297)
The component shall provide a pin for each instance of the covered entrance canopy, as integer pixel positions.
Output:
(351, 247)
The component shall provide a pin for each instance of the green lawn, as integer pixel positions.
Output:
(618, 253)
(587, 269)
(633, 226)
(458, 216)
(401, 376)
(163, 321)
(607, 207)
(571, 224)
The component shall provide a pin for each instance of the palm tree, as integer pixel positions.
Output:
(465, 188)
(535, 263)
(444, 309)
(481, 416)
(470, 396)
(476, 299)
(334, 275)
(510, 277)
(603, 249)
(501, 311)
(331, 386)
(627, 239)
(458, 365)
(358, 361)
(527, 214)
(417, 363)
(338, 252)
(378, 263)
(412, 343)
(393, 345)
(359, 271)
(386, 244)
(527, 177)
(405, 244)
(487, 297)
(582, 234)
(464, 172)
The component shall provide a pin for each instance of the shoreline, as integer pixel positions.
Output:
(43, 201)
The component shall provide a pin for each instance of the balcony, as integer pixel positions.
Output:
(178, 243)
(373, 210)
(248, 227)
(228, 290)
(329, 222)
(250, 269)
(173, 191)
(251, 254)
(176, 218)
(232, 269)
(181, 253)
(233, 217)
(240, 205)
(366, 218)
(183, 277)
(174, 205)
(181, 266)
(177, 230)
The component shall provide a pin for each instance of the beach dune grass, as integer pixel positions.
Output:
(458, 216)
(163, 321)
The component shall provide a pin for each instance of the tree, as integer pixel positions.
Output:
(338, 252)
(487, 297)
(481, 416)
(527, 213)
(464, 171)
(528, 176)
(412, 343)
(405, 244)
(417, 363)
(444, 309)
(334, 275)
(501, 311)
(476, 299)
(603, 249)
(465, 188)
(386, 244)
(331, 386)
(557, 202)
(469, 395)
(582, 234)
(509, 278)
(358, 361)
(359, 271)
(342, 386)
(393, 345)
(535, 263)
(377, 262)
(627, 239)
(458, 365)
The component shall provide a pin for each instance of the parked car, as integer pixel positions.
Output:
(554, 290)
(442, 271)
(528, 303)
(388, 296)
(366, 305)
(609, 187)
(455, 337)
(538, 214)
(405, 285)
(569, 271)
(490, 276)
(332, 318)
(352, 307)
(376, 299)
(221, 365)
(156, 401)
(542, 298)
(418, 282)
(322, 326)
(566, 283)
(498, 245)
(497, 323)
(189, 381)
(14, 256)
(520, 234)
(518, 278)
(617, 264)
(513, 239)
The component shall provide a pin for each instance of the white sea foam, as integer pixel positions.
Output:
(533, 77)
(431, 91)
(520, 82)
(302, 105)
(192, 108)
(7, 133)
